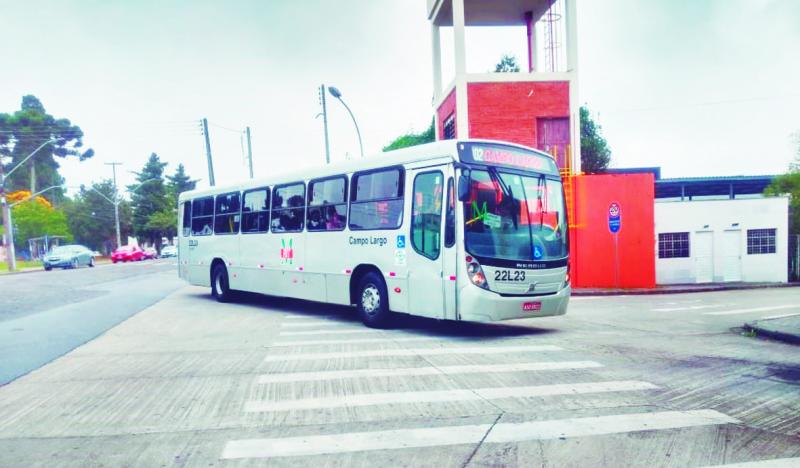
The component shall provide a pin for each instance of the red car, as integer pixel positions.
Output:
(127, 253)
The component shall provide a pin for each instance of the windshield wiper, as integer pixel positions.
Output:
(508, 194)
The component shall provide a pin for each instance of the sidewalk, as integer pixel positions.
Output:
(679, 289)
(786, 328)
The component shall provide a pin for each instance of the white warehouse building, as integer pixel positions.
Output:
(720, 229)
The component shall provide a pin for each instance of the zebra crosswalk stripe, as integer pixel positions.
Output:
(468, 434)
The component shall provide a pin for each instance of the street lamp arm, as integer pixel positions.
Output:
(103, 195)
(358, 132)
(140, 185)
(12, 205)
(29, 156)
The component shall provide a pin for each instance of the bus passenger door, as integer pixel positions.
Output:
(425, 257)
(450, 250)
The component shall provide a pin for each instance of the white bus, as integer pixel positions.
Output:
(458, 229)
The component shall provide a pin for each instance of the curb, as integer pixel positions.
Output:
(790, 338)
(645, 292)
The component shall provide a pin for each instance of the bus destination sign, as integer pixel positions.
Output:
(497, 155)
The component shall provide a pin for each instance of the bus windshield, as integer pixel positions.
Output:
(515, 217)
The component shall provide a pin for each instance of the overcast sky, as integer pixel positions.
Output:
(698, 87)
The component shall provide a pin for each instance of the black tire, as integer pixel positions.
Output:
(48, 268)
(91, 262)
(219, 284)
(74, 264)
(372, 301)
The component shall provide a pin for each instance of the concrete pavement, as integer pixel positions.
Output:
(47, 314)
(639, 381)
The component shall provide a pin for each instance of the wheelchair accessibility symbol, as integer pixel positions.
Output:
(401, 242)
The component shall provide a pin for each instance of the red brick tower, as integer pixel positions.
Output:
(537, 106)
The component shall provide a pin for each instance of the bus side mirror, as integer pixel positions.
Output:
(463, 188)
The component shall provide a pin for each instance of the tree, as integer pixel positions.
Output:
(789, 183)
(179, 183)
(412, 139)
(33, 219)
(24, 131)
(149, 196)
(90, 216)
(163, 224)
(595, 154)
(508, 64)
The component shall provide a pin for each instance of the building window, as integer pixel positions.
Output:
(226, 218)
(449, 127)
(255, 211)
(288, 208)
(203, 216)
(376, 199)
(327, 204)
(673, 245)
(760, 241)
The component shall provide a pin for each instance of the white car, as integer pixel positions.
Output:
(169, 251)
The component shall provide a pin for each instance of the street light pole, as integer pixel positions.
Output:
(8, 235)
(338, 95)
(116, 198)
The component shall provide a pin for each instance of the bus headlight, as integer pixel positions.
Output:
(475, 273)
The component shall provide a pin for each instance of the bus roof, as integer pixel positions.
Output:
(435, 150)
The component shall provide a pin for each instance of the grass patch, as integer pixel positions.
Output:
(21, 264)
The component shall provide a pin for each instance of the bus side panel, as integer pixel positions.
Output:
(227, 249)
(200, 257)
(327, 258)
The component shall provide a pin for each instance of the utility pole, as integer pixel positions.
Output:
(249, 152)
(8, 235)
(208, 153)
(325, 122)
(116, 200)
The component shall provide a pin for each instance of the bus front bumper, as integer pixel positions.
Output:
(478, 305)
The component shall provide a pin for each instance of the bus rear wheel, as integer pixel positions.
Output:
(219, 284)
(373, 301)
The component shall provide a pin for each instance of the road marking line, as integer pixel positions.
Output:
(675, 309)
(327, 332)
(778, 316)
(315, 323)
(468, 434)
(774, 463)
(437, 396)
(408, 352)
(417, 371)
(385, 339)
(756, 309)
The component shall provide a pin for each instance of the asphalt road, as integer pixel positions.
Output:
(619, 381)
(46, 314)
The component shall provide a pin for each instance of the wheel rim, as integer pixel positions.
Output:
(218, 285)
(370, 299)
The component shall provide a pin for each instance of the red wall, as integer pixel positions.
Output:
(591, 242)
(443, 112)
(508, 111)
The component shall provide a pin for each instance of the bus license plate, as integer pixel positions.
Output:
(531, 306)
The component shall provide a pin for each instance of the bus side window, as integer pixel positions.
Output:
(450, 216)
(187, 218)
(203, 216)
(376, 199)
(255, 211)
(226, 217)
(327, 204)
(288, 207)
(426, 212)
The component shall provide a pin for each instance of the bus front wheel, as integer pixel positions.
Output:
(373, 301)
(219, 284)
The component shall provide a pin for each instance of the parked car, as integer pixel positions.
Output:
(150, 253)
(169, 251)
(127, 253)
(68, 256)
